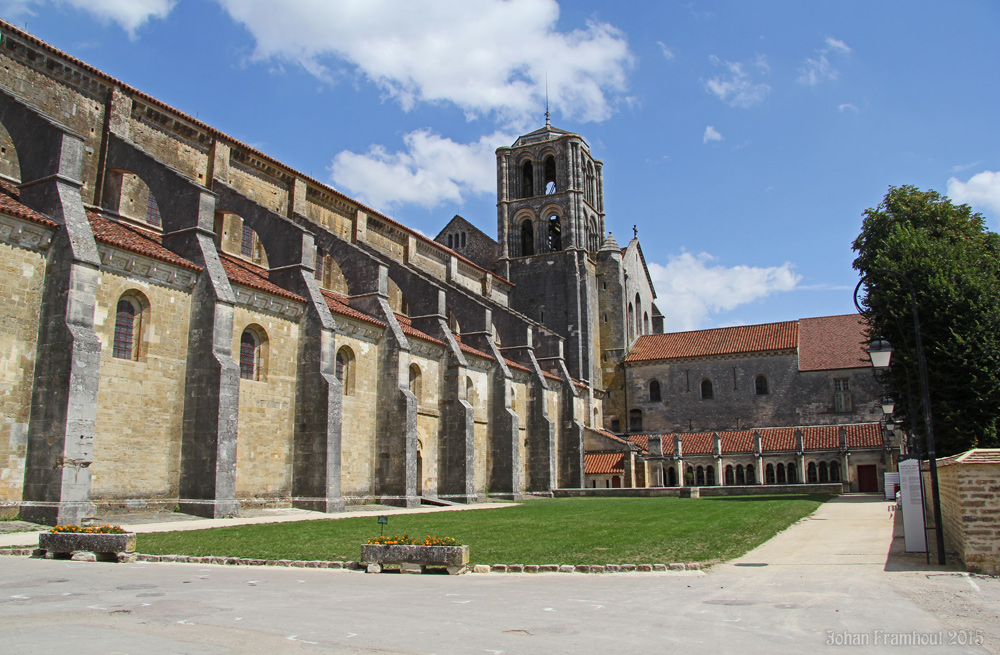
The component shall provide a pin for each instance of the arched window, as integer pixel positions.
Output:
(463, 239)
(416, 382)
(153, 211)
(631, 322)
(590, 190)
(246, 242)
(781, 474)
(595, 238)
(252, 351)
(645, 322)
(128, 324)
(671, 477)
(451, 240)
(750, 475)
(699, 476)
(131, 316)
(527, 238)
(706, 390)
(792, 475)
(555, 234)
(527, 180)
(740, 475)
(769, 474)
(638, 315)
(824, 476)
(654, 391)
(550, 175)
(710, 476)
(811, 476)
(635, 420)
(834, 471)
(346, 370)
(689, 476)
(760, 385)
(730, 478)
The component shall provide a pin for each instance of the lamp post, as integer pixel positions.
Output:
(880, 352)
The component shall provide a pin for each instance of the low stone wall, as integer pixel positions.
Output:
(677, 492)
(970, 508)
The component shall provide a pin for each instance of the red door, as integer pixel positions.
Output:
(867, 478)
(616, 482)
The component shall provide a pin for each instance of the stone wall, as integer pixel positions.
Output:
(793, 397)
(140, 402)
(266, 413)
(969, 487)
(22, 274)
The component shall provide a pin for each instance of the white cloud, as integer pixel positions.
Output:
(735, 87)
(690, 287)
(129, 14)
(711, 134)
(819, 69)
(667, 52)
(454, 51)
(430, 171)
(847, 107)
(836, 45)
(982, 191)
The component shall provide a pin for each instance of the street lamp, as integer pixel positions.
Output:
(880, 352)
(888, 406)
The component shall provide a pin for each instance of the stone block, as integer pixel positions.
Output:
(481, 568)
(374, 568)
(613, 568)
(567, 568)
(693, 566)
(582, 568)
(531, 568)
(645, 568)
(659, 567)
(628, 568)
(677, 566)
(499, 568)
(515, 568)
(548, 568)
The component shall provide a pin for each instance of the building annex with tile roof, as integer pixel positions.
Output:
(752, 396)
(193, 323)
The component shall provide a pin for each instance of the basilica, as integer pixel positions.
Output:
(189, 323)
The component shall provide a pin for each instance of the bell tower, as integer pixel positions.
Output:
(550, 226)
(550, 196)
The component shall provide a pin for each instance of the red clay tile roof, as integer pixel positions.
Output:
(407, 325)
(511, 363)
(832, 342)
(551, 376)
(603, 463)
(9, 204)
(473, 351)
(338, 304)
(720, 341)
(821, 437)
(134, 240)
(252, 276)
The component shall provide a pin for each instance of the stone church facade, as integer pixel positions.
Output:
(784, 403)
(189, 322)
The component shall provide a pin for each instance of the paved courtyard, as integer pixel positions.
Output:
(835, 582)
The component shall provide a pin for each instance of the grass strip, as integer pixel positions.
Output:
(549, 531)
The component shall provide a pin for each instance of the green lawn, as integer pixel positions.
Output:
(556, 531)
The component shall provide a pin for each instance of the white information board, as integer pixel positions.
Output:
(914, 534)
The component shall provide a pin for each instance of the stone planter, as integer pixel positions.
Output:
(77, 545)
(415, 559)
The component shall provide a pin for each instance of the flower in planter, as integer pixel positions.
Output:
(106, 528)
(406, 540)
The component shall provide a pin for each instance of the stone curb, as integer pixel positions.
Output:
(356, 566)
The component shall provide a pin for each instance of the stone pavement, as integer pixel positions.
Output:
(834, 582)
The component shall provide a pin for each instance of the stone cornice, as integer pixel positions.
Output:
(24, 234)
(132, 265)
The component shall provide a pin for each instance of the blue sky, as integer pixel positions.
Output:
(744, 139)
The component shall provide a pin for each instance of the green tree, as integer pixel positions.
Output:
(953, 263)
